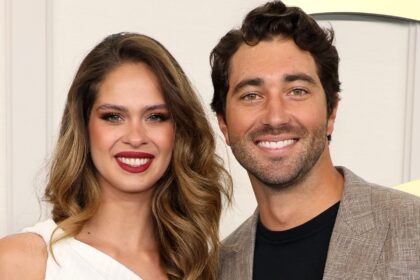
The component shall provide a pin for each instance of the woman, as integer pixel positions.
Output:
(134, 183)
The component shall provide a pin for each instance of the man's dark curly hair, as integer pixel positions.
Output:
(265, 23)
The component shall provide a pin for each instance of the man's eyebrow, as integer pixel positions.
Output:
(248, 82)
(287, 78)
(299, 77)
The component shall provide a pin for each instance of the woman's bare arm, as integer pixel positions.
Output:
(23, 256)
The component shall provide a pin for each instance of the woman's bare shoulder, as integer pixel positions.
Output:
(23, 256)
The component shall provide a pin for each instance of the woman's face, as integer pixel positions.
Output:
(130, 130)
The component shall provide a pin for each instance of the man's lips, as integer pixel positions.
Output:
(278, 139)
(276, 144)
(270, 141)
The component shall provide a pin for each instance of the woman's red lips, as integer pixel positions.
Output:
(134, 162)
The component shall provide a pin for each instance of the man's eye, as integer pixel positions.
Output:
(250, 96)
(298, 92)
(112, 117)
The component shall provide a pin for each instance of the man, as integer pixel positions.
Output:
(276, 91)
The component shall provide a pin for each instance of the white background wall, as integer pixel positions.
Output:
(43, 42)
(3, 182)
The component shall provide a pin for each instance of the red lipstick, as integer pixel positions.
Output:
(134, 162)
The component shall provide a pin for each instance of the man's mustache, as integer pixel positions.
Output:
(297, 131)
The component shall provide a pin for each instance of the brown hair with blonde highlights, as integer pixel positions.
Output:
(187, 200)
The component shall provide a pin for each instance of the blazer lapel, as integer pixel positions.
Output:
(238, 252)
(357, 238)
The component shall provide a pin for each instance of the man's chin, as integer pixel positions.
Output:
(279, 183)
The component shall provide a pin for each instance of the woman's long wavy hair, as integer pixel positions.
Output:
(187, 200)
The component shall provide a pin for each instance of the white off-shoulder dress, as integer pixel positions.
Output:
(77, 260)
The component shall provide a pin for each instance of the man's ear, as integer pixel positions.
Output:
(223, 128)
(331, 120)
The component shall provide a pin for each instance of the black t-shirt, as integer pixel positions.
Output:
(297, 253)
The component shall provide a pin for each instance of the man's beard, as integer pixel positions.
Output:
(281, 172)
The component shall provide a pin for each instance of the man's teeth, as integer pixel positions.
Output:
(134, 161)
(277, 144)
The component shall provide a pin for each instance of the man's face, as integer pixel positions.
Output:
(276, 115)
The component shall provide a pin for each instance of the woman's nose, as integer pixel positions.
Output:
(135, 135)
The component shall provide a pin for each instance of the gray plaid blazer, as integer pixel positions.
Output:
(376, 236)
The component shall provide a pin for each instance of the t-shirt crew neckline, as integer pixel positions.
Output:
(312, 227)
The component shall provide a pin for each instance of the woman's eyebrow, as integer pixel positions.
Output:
(112, 107)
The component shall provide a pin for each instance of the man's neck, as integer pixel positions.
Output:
(296, 204)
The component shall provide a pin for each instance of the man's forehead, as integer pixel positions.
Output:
(279, 56)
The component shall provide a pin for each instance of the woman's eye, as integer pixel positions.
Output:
(112, 117)
(158, 117)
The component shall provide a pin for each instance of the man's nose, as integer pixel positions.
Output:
(275, 112)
